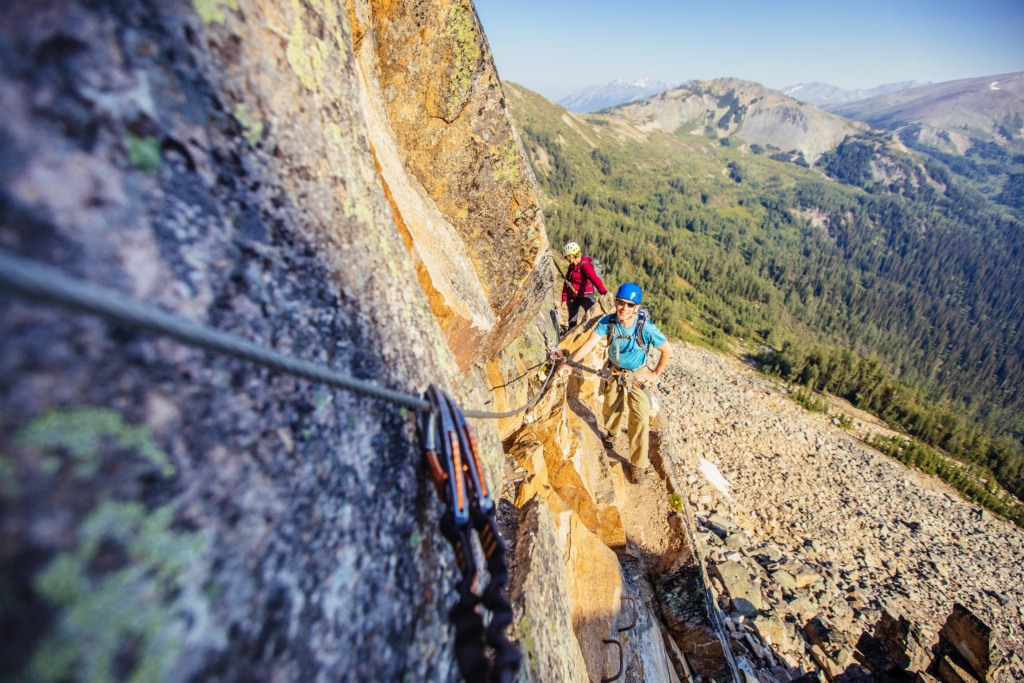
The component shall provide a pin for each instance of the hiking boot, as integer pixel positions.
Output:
(639, 474)
(609, 441)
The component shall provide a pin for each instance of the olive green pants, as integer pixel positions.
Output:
(616, 399)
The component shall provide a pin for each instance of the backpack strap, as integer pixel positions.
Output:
(583, 279)
(640, 335)
(583, 275)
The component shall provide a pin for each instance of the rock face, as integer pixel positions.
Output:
(452, 164)
(540, 592)
(206, 519)
(749, 111)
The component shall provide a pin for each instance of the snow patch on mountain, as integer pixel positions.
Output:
(609, 94)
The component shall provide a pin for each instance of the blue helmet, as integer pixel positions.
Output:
(629, 292)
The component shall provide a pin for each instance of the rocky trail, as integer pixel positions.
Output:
(822, 533)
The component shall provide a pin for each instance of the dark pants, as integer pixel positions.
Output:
(574, 305)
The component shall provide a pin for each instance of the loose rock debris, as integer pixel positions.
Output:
(830, 557)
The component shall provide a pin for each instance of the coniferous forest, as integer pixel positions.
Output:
(903, 295)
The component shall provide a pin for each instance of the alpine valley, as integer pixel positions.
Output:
(880, 259)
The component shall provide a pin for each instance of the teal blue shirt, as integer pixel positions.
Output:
(626, 353)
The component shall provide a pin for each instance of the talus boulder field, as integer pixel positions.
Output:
(866, 570)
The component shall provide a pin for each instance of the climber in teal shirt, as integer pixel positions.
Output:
(626, 350)
(630, 336)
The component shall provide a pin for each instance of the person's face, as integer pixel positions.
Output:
(625, 309)
(574, 258)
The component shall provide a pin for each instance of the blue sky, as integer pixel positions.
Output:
(558, 46)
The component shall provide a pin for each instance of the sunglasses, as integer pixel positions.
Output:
(627, 304)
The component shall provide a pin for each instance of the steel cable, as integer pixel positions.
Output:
(46, 283)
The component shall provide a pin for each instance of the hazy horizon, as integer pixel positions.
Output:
(562, 46)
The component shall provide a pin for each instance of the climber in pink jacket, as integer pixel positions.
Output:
(581, 280)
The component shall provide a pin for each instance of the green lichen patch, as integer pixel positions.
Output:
(116, 620)
(305, 54)
(9, 487)
(524, 636)
(210, 10)
(336, 27)
(144, 153)
(252, 129)
(506, 167)
(81, 433)
(462, 31)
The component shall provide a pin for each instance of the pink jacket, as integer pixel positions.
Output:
(581, 280)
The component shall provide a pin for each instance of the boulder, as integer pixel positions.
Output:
(826, 663)
(806, 576)
(772, 631)
(947, 670)
(968, 649)
(974, 640)
(784, 579)
(688, 617)
(802, 608)
(745, 595)
(902, 641)
(818, 633)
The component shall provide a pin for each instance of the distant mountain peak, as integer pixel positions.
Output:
(822, 94)
(950, 116)
(756, 115)
(596, 97)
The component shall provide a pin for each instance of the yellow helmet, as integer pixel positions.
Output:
(570, 249)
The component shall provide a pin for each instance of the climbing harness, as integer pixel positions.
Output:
(582, 291)
(458, 475)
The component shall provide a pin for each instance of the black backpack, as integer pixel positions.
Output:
(643, 315)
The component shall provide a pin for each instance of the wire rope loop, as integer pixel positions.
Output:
(605, 679)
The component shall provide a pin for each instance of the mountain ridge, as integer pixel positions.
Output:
(597, 97)
(734, 243)
(950, 114)
(820, 94)
(749, 111)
